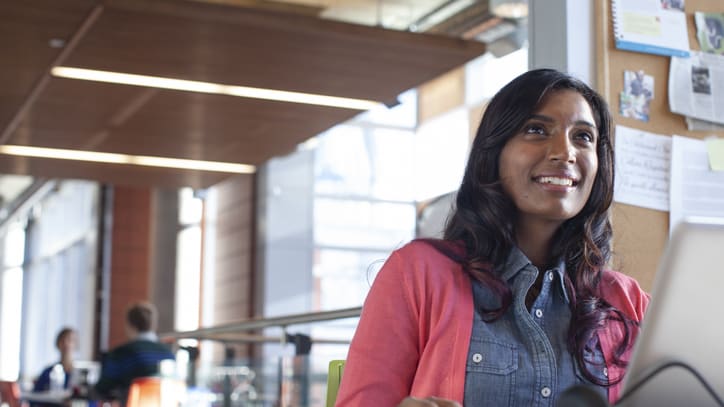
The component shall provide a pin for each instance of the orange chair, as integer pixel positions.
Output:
(10, 394)
(155, 392)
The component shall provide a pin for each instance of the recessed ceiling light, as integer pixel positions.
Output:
(209, 87)
(112, 158)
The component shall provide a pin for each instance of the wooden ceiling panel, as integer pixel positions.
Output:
(118, 174)
(196, 41)
(143, 121)
(134, 120)
(26, 29)
(258, 48)
(70, 113)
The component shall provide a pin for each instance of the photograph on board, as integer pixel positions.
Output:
(637, 95)
(710, 32)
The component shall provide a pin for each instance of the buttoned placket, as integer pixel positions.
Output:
(528, 352)
(544, 356)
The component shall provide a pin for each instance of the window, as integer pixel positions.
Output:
(11, 301)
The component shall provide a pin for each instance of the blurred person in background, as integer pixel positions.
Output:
(141, 356)
(58, 375)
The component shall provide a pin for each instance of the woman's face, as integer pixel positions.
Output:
(548, 168)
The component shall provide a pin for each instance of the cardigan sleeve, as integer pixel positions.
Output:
(625, 294)
(384, 352)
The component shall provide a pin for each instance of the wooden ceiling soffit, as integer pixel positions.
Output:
(194, 41)
(116, 174)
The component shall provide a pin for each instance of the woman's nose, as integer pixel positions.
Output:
(561, 148)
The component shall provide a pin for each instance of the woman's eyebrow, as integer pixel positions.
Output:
(542, 118)
(548, 119)
(585, 123)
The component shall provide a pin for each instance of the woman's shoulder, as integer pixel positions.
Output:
(429, 251)
(433, 247)
(423, 260)
(619, 280)
(625, 293)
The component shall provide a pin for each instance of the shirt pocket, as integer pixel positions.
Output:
(491, 367)
(492, 356)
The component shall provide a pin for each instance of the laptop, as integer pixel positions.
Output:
(684, 323)
(85, 373)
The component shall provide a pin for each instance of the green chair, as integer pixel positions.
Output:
(336, 367)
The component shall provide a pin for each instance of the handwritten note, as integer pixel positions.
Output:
(642, 168)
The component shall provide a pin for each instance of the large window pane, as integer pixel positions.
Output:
(190, 207)
(441, 151)
(345, 276)
(188, 278)
(342, 163)
(14, 253)
(365, 162)
(403, 115)
(10, 305)
(362, 224)
(393, 164)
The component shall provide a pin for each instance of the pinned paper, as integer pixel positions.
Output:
(715, 149)
(651, 26)
(695, 189)
(642, 168)
(710, 31)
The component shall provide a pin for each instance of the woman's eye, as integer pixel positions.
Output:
(588, 137)
(534, 129)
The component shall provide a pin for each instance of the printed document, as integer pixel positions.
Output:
(696, 86)
(696, 190)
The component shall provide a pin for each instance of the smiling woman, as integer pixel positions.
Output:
(548, 168)
(514, 305)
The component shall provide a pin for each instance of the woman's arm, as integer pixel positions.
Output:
(385, 350)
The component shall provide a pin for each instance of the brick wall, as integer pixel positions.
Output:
(233, 293)
(130, 255)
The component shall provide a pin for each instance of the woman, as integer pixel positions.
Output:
(514, 305)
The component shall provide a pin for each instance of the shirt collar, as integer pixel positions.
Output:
(147, 336)
(517, 261)
(560, 270)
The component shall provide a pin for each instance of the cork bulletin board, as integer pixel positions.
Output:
(640, 234)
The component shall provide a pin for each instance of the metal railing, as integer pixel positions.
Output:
(234, 332)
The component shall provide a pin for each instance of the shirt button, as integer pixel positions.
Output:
(477, 358)
(539, 313)
(550, 276)
(545, 392)
(605, 371)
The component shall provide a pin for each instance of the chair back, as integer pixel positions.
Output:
(336, 368)
(10, 394)
(155, 392)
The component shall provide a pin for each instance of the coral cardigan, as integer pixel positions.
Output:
(415, 327)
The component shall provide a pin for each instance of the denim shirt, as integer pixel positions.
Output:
(522, 358)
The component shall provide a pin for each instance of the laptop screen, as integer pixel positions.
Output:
(684, 325)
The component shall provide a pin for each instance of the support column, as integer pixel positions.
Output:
(561, 36)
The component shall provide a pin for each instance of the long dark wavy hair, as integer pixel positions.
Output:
(484, 216)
